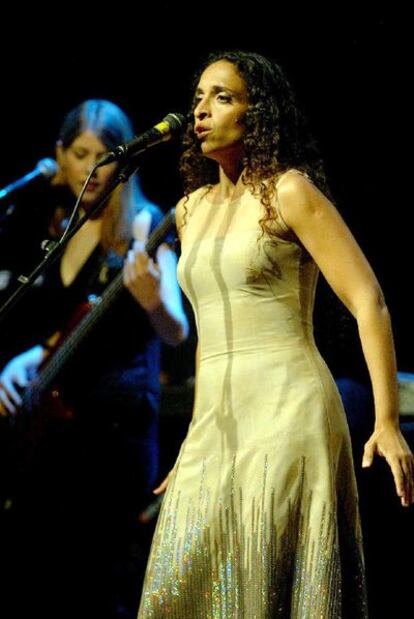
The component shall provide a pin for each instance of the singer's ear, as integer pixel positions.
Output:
(60, 176)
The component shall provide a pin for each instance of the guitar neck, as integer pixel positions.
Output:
(69, 346)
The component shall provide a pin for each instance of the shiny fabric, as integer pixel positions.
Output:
(260, 518)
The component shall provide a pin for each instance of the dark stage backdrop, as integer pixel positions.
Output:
(349, 66)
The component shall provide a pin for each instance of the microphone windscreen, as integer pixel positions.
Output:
(176, 121)
(47, 167)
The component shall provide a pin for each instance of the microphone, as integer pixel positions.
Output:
(45, 167)
(170, 127)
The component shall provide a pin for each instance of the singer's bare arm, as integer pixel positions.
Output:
(322, 231)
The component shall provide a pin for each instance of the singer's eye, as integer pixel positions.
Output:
(224, 98)
(78, 153)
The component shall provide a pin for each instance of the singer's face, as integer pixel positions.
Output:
(78, 160)
(221, 102)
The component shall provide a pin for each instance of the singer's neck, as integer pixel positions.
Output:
(230, 186)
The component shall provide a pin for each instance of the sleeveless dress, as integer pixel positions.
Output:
(260, 518)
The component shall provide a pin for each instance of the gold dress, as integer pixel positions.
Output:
(260, 518)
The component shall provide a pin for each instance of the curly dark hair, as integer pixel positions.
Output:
(276, 139)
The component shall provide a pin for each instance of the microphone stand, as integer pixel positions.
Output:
(55, 248)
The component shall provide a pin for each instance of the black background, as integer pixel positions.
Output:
(349, 65)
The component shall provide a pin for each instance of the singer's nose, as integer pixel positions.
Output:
(201, 111)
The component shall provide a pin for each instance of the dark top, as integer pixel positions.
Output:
(121, 351)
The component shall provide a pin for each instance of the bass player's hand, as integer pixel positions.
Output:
(16, 374)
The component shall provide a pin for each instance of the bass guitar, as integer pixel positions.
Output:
(41, 399)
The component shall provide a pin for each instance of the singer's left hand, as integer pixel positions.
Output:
(142, 277)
